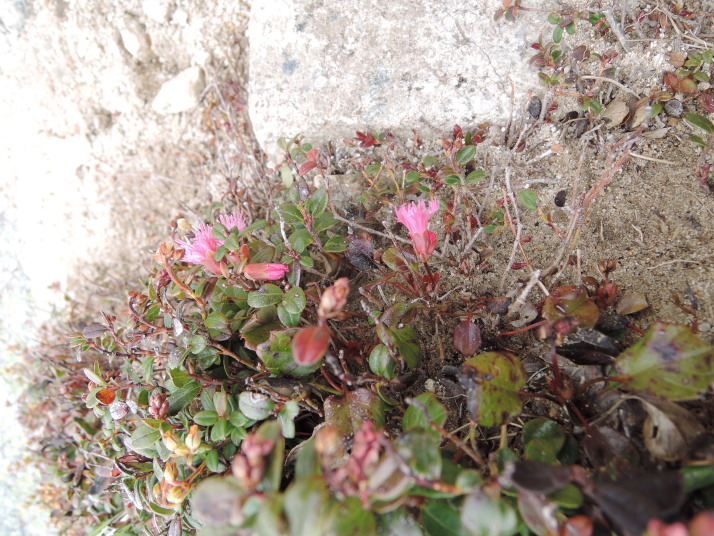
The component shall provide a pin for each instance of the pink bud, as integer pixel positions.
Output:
(310, 344)
(265, 270)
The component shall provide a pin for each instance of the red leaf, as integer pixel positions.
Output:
(310, 345)
(707, 101)
(311, 155)
(467, 338)
(307, 166)
(576, 526)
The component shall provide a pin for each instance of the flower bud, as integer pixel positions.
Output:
(193, 440)
(170, 472)
(265, 270)
(334, 299)
(170, 441)
(176, 494)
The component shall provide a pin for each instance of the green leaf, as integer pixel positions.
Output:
(392, 258)
(205, 418)
(277, 357)
(420, 450)
(466, 154)
(495, 378)
(414, 417)
(294, 300)
(697, 477)
(411, 177)
(701, 77)
(557, 34)
(286, 418)
(255, 406)
(542, 440)
(144, 437)
(212, 462)
(216, 320)
(316, 203)
(570, 28)
(324, 222)
(300, 239)
(352, 520)
(571, 302)
(699, 141)
(291, 214)
(567, 497)
(373, 169)
(238, 420)
(381, 362)
(475, 176)
(268, 294)
(441, 518)
(428, 161)
(529, 199)
(554, 18)
(198, 344)
(94, 377)
(656, 109)
(669, 361)
(99, 529)
(452, 180)
(258, 328)
(306, 507)
(183, 396)
(699, 121)
(220, 430)
(336, 244)
(348, 412)
(290, 320)
(482, 515)
(306, 261)
(409, 350)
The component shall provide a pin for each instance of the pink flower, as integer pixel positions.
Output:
(202, 249)
(416, 218)
(265, 270)
(230, 221)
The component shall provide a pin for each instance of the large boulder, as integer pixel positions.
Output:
(326, 69)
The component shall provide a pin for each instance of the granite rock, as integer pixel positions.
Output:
(326, 69)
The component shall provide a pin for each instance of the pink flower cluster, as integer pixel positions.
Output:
(416, 218)
(202, 250)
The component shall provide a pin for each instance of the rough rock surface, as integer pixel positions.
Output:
(326, 69)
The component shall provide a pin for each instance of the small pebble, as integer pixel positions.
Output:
(534, 107)
(673, 108)
(560, 198)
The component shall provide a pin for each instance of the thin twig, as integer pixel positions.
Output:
(521, 300)
(615, 82)
(643, 157)
(674, 261)
(616, 29)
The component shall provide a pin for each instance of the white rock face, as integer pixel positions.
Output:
(327, 69)
(181, 93)
(136, 41)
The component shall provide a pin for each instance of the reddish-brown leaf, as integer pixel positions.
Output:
(671, 80)
(467, 338)
(106, 396)
(707, 101)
